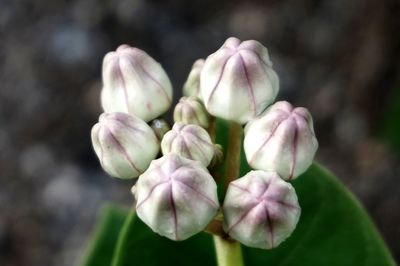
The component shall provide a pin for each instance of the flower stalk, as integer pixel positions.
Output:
(233, 153)
(229, 253)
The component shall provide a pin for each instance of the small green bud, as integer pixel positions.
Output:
(160, 127)
(189, 141)
(190, 111)
(192, 84)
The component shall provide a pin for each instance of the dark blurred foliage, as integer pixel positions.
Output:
(338, 58)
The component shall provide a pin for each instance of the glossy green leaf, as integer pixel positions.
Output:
(138, 245)
(390, 126)
(102, 243)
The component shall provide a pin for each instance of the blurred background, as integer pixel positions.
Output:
(340, 59)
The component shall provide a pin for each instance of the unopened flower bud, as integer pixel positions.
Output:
(189, 141)
(190, 111)
(133, 191)
(237, 82)
(176, 197)
(260, 209)
(282, 139)
(135, 83)
(124, 144)
(218, 156)
(192, 84)
(160, 127)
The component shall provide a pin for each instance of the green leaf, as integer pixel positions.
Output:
(138, 245)
(390, 126)
(333, 230)
(103, 240)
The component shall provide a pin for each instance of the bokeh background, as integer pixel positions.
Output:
(340, 59)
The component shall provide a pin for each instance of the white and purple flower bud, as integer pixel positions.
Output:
(282, 139)
(124, 144)
(237, 82)
(135, 83)
(260, 209)
(176, 197)
(189, 141)
(190, 111)
(192, 84)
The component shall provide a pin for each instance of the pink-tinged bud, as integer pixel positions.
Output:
(237, 82)
(135, 83)
(282, 139)
(260, 210)
(176, 197)
(124, 144)
(190, 111)
(192, 84)
(189, 141)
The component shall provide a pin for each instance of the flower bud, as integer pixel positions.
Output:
(260, 209)
(190, 111)
(135, 83)
(192, 84)
(282, 140)
(237, 82)
(176, 197)
(218, 156)
(124, 144)
(189, 141)
(160, 127)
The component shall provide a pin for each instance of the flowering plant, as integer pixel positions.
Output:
(236, 169)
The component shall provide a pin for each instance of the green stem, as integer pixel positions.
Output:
(233, 153)
(229, 253)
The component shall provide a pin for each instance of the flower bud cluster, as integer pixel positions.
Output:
(176, 194)
(237, 83)
(136, 90)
